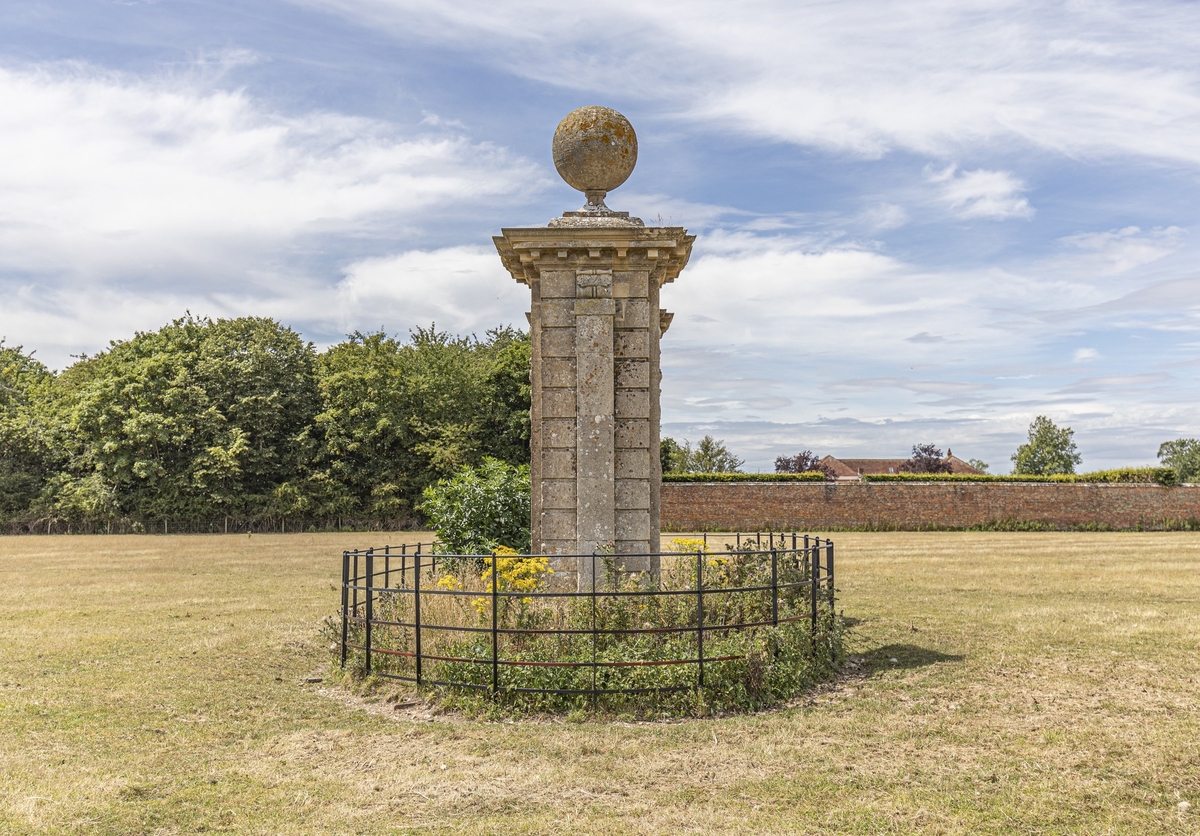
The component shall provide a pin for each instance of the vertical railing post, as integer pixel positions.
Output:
(387, 567)
(815, 580)
(700, 620)
(417, 610)
(495, 628)
(354, 586)
(829, 574)
(774, 588)
(595, 635)
(403, 565)
(370, 601)
(345, 603)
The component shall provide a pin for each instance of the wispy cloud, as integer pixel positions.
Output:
(175, 190)
(863, 77)
(994, 195)
(459, 288)
(1118, 250)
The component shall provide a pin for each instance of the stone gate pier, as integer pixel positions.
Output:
(595, 321)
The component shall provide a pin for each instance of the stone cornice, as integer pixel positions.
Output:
(663, 251)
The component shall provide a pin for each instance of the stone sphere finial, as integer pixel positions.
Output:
(595, 150)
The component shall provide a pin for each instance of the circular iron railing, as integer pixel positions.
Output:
(579, 625)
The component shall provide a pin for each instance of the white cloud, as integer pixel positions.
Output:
(993, 195)
(147, 196)
(462, 289)
(884, 216)
(863, 77)
(102, 173)
(1119, 250)
(785, 330)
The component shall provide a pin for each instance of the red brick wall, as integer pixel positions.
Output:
(747, 506)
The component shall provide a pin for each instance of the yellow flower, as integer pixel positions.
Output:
(448, 582)
(686, 545)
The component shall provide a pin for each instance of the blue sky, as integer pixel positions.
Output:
(926, 222)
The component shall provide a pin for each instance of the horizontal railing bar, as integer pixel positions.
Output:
(469, 593)
(662, 689)
(577, 631)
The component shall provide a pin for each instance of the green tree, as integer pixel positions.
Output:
(1050, 450)
(978, 464)
(200, 418)
(710, 455)
(926, 458)
(27, 458)
(481, 508)
(398, 416)
(671, 456)
(1183, 455)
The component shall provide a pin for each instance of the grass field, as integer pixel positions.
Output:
(1007, 683)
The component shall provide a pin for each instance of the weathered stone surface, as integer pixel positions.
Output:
(560, 432)
(559, 494)
(633, 494)
(633, 343)
(558, 403)
(632, 373)
(638, 563)
(595, 276)
(633, 403)
(636, 283)
(595, 148)
(558, 342)
(632, 433)
(595, 411)
(558, 284)
(558, 464)
(558, 372)
(633, 464)
(558, 525)
(633, 525)
(636, 314)
(558, 313)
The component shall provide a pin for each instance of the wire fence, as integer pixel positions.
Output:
(512, 624)
(262, 524)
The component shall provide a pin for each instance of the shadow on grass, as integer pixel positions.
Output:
(900, 657)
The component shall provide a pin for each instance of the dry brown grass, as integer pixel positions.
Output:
(1042, 683)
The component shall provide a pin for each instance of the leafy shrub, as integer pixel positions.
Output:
(811, 476)
(1129, 475)
(481, 508)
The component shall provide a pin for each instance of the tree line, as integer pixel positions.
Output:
(1049, 450)
(241, 417)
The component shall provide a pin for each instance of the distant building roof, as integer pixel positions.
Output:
(857, 468)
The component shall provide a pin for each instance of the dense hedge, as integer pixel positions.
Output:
(1127, 475)
(812, 476)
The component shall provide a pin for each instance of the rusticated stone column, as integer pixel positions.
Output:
(594, 277)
